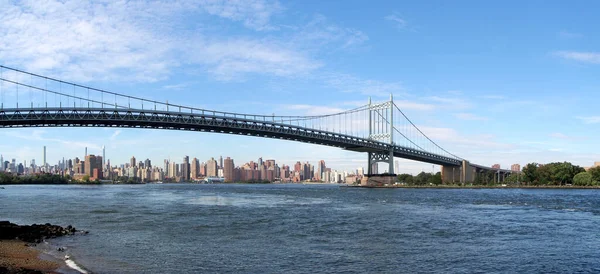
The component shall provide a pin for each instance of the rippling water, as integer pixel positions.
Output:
(316, 228)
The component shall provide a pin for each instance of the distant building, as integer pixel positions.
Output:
(132, 161)
(195, 169)
(228, 167)
(185, 169)
(515, 167)
(496, 166)
(211, 168)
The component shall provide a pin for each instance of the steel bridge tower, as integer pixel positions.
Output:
(381, 128)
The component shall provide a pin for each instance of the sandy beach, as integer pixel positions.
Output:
(16, 256)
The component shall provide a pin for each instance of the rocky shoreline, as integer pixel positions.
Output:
(16, 256)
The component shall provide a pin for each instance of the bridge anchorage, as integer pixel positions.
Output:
(382, 130)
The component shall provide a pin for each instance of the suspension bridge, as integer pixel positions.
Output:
(381, 129)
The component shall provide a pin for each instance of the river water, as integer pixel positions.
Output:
(184, 228)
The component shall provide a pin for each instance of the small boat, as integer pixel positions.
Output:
(67, 257)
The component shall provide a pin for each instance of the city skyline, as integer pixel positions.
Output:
(488, 100)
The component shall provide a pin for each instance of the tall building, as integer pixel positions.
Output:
(166, 167)
(132, 161)
(228, 167)
(93, 166)
(147, 163)
(320, 169)
(194, 169)
(172, 170)
(1, 162)
(185, 168)
(103, 157)
(211, 168)
(515, 167)
(220, 161)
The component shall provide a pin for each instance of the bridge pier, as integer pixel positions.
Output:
(465, 173)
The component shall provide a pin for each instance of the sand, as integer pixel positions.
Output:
(15, 255)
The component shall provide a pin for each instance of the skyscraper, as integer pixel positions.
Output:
(132, 161)
(195, 169)
(103, 157)
(44, 155)
(211, 168)
(220, 161)
(185, 168)
(228, 170)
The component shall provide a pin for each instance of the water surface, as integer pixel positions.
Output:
(186, 228)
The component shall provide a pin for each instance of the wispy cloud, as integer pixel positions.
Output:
(142, 41)
(569, 35)
(255, 14)
(409, 105)
(449, 102)
(349, 83)
(397, 20)
(562, 136)
(470, 117)
(115, 134)
(492, 96)
(585, 57)
(315, 110)
(589, 119)
(319, 32)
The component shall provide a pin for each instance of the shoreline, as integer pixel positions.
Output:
(17, 256)
(24, 249)
(478, 187)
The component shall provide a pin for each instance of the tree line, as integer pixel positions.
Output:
(42, 179)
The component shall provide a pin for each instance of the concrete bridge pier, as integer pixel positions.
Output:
(465, 173)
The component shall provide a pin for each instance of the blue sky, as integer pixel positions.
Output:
(493, 82)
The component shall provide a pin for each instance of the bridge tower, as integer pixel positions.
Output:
(381, 128)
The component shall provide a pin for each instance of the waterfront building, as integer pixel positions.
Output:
(185, 169)
(211, 168)
(132, 161)
(195, 169)
(228, 167)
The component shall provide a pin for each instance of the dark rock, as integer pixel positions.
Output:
(34, 233)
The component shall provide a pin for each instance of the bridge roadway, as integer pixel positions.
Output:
(206, 121)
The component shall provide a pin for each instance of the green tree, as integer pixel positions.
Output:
(86, 178)
(582, 179)
(595, 172)
(406, 178)
(530, 173)
(436, 179)
(513, 178)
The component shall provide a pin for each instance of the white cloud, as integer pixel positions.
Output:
(395, 18)
(349, 83)
(408, 105)
(585, 57)
(470, 117)
(589, 119)
(492, 96)
(315, 110)
(255, 14)
(450, 103)
(140, 41)
(569, 35)
(230, 59)
(115, 134)
(319, 33)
